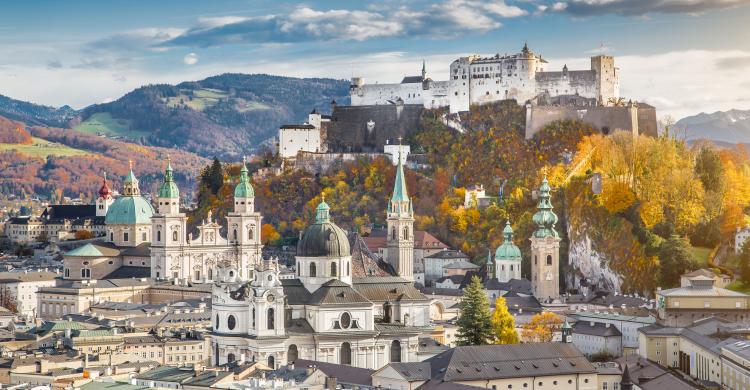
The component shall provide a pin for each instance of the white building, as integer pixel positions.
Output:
(478, 80)
(436, 262)
(304, 137)
(23, 286)
(595, 338)
(627, 325)
(735, 362)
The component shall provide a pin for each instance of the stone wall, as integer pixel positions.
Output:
(639, 119)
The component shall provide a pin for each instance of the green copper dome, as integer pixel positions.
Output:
(129, 210)
(545, 219)
(244, 189)
(507, 250)
(169, 187)
(323, 238)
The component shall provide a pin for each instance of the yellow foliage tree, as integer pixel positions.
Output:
(268, 234)
(542, 327)
(503, 324)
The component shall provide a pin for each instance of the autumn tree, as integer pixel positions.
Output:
(744, 260)
(503, 324)
(83, 235)
(542, 327)
(675, 259)
(268, 234)
(474, 321)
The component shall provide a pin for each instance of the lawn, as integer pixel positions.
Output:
(244, 106)
(102, 123)
(43, 148)
(202, 98)
(701, 254)
(739, 287)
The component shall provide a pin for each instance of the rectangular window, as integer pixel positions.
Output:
(125, 237)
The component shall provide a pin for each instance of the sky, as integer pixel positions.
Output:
(682, 56)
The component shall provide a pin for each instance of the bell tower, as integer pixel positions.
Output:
(545, 249)
(243, 225)
(168, 228)
(400, 221)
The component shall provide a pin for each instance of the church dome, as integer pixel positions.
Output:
(323, 238)
(507, 250)
(244, 189)
(129, 210)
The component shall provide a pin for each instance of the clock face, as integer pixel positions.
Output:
(270, 298)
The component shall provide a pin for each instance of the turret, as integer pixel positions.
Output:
(169, 194)
(567, 332)
(104, 200)
(130, 183)
(507, 257)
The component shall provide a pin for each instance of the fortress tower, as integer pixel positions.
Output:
(607, 78)
(545, 249)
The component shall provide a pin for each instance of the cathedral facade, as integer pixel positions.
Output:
(342, 307)
(478, 80)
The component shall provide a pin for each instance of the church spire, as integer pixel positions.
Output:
(424, 70)
(169, 188)
(130, 184)
(400, 193)
(545, 219)
(244, 189)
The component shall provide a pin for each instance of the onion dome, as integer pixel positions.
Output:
(105, 192)
(507, 250)
(169, 188)
(545, 219)
(323, 238)
(130, 208)
(244, 189)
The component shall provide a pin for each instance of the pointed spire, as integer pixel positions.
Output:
(168, 189)
(545, 218)
(104, 191)
(130, 183)
(424, 70)
(400, 194)
(244, 189)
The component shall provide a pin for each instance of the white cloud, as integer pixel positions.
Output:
(190, 59)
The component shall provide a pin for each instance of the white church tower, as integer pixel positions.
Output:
(545, 249)
(105, 199)
(168, 227)
(400, 220)
(243, 225)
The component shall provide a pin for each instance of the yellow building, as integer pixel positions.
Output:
(701, 299)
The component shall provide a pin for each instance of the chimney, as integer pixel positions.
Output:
(310, 370)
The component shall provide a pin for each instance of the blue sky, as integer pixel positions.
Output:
(684, 56)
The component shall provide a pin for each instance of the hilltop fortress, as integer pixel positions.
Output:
(478, 80)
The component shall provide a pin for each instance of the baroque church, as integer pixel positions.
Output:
(342, 307)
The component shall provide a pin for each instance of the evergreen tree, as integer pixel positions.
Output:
(213, 176)
(675, 259)
(474, 321)
(503, 324)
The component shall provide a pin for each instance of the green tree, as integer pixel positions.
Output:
(474, 321)
(709, 169)
(213, 176)
(745, 263)
(503, 324)
(676, 259)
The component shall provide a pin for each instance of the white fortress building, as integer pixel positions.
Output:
(478, 80)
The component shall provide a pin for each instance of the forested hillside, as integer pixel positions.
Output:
(225, 115)
(665, 207)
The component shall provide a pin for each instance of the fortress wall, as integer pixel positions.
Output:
(582, 83)
(606, 119)
(373, 94)
(321, 162)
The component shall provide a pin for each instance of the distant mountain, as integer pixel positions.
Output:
(731, 126)
(225, 115)
(35, 114)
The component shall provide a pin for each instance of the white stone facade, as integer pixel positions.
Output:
(478, 80)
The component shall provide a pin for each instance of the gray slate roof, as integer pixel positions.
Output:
(599, 329)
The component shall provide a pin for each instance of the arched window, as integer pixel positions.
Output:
(234, 234)
(393, 233)
(250, 233)
(111, 236)
(395, 351)
(158, 235)
(271, 362)
(549, 259)
(291, 353)
(347, 268)
(333, 269)
(231, 322)
(67, 272)
(346, 354)
(253, 317)
(406, 232)
(230, 358)
(534, 259)
(313, 271)
(217, 321)
(174, 235)
(271, 320)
